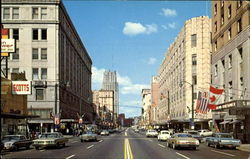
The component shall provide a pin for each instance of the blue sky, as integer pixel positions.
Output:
(130, 37)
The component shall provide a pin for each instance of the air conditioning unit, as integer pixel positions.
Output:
(40, 84)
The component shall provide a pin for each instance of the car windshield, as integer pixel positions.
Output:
(164, 132)
(11, 138)
(184, 135)
(226, 136)
(193, 133)
(49, 136)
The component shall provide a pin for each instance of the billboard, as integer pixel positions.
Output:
(8, 45)
(21, 87)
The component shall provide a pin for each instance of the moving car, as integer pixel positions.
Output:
(164, 135)
(219, 140)
(205, 132)
(182, 140)
(89, 136)
(151, 133)
(55, 139)
(194, 134)
(14, 142)
(105, 133)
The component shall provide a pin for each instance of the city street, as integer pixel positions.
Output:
(127, 144)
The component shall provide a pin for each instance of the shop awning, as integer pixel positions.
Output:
(225, 122)
(235, 121)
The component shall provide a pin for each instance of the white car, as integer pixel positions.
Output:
(164, 135)
(151, 133)
(205, 132)
(105, 133)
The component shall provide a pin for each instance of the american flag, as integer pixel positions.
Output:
(202, 103)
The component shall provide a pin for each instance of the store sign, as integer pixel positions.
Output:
(21, 87)
(8, 45)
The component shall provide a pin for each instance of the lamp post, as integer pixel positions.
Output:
(192, 119)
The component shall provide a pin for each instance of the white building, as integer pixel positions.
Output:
(146, 104)
(53, 57)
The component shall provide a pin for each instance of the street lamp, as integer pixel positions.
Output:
(192, 120)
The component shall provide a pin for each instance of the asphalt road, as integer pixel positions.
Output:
(126, 145)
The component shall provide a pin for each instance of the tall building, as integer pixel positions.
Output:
(186, 62)
(231, 65)
(52, 55)
(155, 99)
(146, 104)
(110, 83)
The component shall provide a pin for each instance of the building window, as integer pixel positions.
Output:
(44, 34)
(193, 40)
(215, 27)
(240, 53)
(15, 56)
(229, 33)
(194, 80)
(34, 13)
(16, 34)
(215, 70)
(43, 13)
(6, 13)
(230, 61)
(35, 73)
(222, 18)
(230, 92)
(194, 59)
(35, 53)
(15, 70)
(44, 53)
(215, 46)
(44, 73)
(39, 94)
(223, 63)
(15, 13)
(229, 11)
(35, 34)
(239, 25)
(222, 3)
(215, 9)
(239, 3)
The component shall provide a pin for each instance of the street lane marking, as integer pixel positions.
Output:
(90, 146)
(127, 150)
(42, 150)
(101, 141)
(161, 145)
(224, 153)
(73, 142)
(126, 134)
(70, 157)
(182, 155)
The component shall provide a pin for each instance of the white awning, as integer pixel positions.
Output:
(225, 122)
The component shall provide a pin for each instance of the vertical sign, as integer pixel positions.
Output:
(5, 35)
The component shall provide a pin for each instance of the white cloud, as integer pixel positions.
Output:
(151, 60)
(169, 26)
(131, 103)
(125, 83)
(133, 29)
(133, 88)
(168, 12)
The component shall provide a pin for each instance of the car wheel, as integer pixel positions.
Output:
(15, 148)
(58, 145)
(37, 148)
(194, 148)
(27, 147)
(208, 144)
(64, 144)
(81, 140)
(217, 146)
(174, 146)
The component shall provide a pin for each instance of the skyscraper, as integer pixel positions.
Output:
(110, 83)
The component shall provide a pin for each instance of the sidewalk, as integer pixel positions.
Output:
(244, 147)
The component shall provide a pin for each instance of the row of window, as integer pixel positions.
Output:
(37, 53)
(37, 34)
(229, 8)
(13, 13)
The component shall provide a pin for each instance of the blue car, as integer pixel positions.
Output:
(219, 140)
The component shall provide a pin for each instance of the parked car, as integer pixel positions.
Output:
(219, 140)
(182, 140)
(14, 142)
(151, 133)
(194, 134)
(89, 136)
(205, 132)
(105, 133)
(164, 135)
(55, 139)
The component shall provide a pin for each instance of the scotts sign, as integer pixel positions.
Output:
(8, 45)
(21, 87)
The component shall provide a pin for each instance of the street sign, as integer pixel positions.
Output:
(8, 45)
(21, 87)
